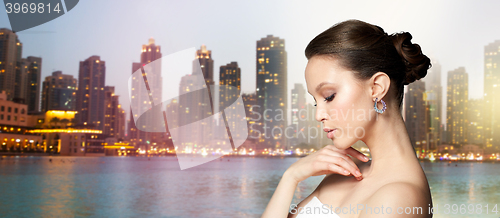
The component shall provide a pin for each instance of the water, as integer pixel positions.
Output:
(228, 187)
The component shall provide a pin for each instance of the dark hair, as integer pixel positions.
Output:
(367, 49)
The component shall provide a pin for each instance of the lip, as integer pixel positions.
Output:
(326, 129)
(330, 132)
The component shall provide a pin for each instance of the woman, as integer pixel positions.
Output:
(356, 74)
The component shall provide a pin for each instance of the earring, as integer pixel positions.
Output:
(378, 110)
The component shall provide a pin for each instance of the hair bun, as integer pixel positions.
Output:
(416, 63)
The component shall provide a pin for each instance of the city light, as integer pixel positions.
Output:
(65, 131)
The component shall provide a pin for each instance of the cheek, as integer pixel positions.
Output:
(349, 108)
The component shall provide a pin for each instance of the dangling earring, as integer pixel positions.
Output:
(378, 110)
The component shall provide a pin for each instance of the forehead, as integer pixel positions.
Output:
(321, 70)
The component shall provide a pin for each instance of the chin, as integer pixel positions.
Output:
(341, 146)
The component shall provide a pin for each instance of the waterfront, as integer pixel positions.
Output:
(227, 187)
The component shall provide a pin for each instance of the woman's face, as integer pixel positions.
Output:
(343, 102)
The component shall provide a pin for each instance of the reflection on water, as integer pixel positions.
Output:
(227, 187)
(465, 183)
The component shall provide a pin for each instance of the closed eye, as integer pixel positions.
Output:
(330, 98)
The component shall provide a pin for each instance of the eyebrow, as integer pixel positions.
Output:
(321, 85)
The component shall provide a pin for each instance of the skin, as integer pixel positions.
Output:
(392, 178)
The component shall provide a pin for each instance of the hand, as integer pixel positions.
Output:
(325, 161)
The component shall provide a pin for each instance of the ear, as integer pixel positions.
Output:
(379, 85)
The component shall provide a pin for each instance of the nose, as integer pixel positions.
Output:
(321, 114)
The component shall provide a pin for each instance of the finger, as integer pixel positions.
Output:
(334, 168)
(355, 153)
(329, 154)
(341, 162)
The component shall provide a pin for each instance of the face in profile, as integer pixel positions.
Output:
(343, 102)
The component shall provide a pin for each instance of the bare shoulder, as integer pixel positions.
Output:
(398, 199)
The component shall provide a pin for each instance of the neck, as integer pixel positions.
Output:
(388, 142)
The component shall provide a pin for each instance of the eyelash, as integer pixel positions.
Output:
(329, 98)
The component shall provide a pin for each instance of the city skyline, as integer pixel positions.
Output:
(118, 46)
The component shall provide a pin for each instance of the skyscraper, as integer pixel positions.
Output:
(19, 77)
(59, 92)
(457, 96)
(204, 61)
(27, 82)
(250, 101)
(121, 124)
(475, 122)
(32, 85)
(151, 76)
(190, 109)
(134, 135)
(491, 96)
(271, 87)
(90, 95)
(229, 92)
(205, 106)
(111, 113)
(21, 81)
(416, 115)
(204, 57)
(434, 98)
(10, 53)
(298, 104)
(230, 75)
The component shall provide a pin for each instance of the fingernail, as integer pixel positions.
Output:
(346, 172)
(358, 173)
(366, 158)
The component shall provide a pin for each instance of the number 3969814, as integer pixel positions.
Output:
(31, 8)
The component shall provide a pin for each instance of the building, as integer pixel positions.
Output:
(10, 54)
(122, 123)
(229, 92)
(58, 119)
(111, 113)
(298, 104)
(12, 113)
(72, 142)
(272, 91)
(90, 95)
(190, 109)
(491, 96)
(148, 80)
(230, 76)
(206, 63)
(416, 116)
(59, 92)
(120, 149)
(19, 77)
(33, 85)
(250, 102)
(434, 98)
(14, 128)
(27, 82)
(19, 139)
(203, 64)
(172, 113)
(133, 134)
(457, 97)
(475, 124)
